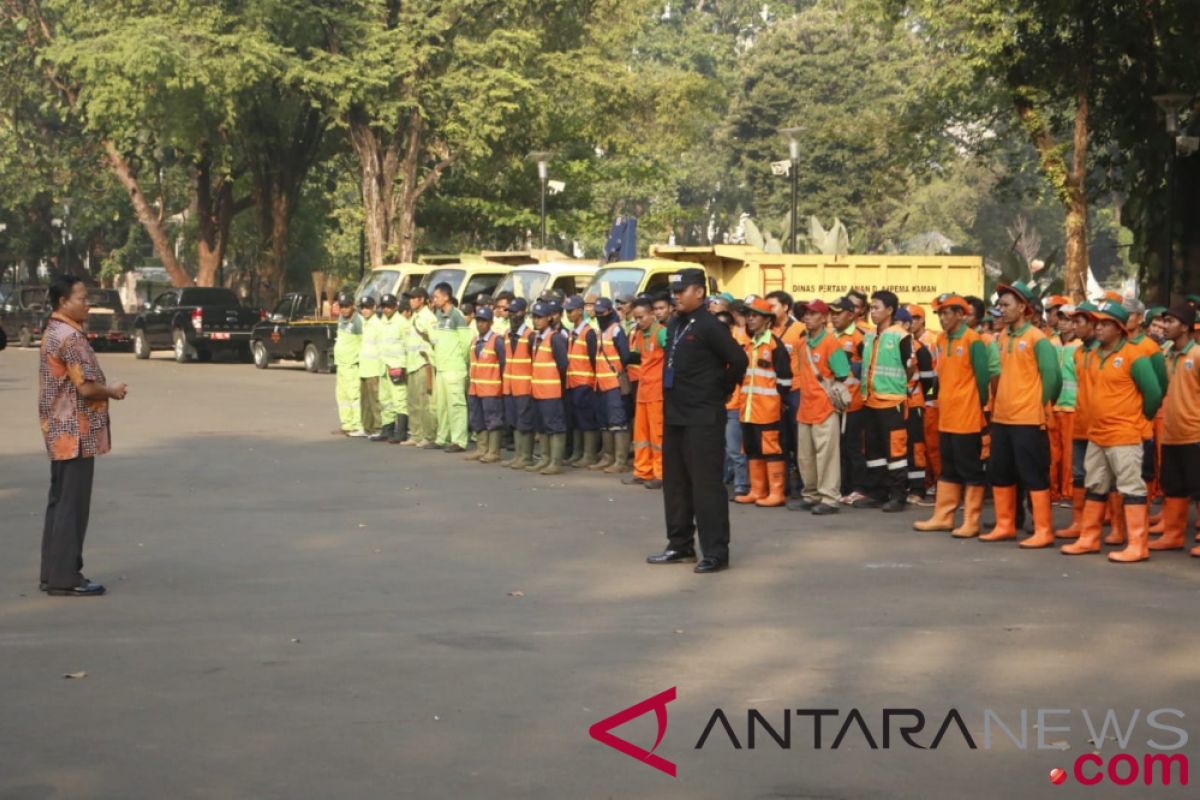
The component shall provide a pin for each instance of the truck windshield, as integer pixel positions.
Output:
(377, 283)
(484, 283)
(612, 281)
(527, 283)
(454, 277)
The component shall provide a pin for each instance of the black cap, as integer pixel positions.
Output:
(345, 297)
(573, 303)
(518, 305)
(388, 300)
(366, 301)
(604, 306)
(843, 304)
(418, 292)
(688, 277)
(1184, 313)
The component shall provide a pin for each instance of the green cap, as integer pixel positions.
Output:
(1087, 308)
(1022, 291)
(1112, 311)
(1154, 312)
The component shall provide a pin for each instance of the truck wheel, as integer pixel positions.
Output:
(24, 337)
(141, 347)
(311, 358)
(261, 359)
(183, 351)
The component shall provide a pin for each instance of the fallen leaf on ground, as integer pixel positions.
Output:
(517, 593)
(74, 676)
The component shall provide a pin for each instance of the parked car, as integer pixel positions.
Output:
(24, 313)
(292, 331)
(195, 322)
(107, 323)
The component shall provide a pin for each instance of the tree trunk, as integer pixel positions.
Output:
(1068, 184)
(146, 216)
(275, 213)
(214, 210)
(378, 164)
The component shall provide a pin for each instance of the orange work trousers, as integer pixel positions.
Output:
(933, 455)
(648, 440)
(1061, 431)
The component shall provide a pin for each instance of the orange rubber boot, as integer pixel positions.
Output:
(1005, 500)
(1090, 527)
(777, 481)
(1137, 530)
(1175, 519)
(973, 508)
(1072, 530)
(1158, 522)
(948, 495)
(758, 482)
(1116, 511)
(1043, 521)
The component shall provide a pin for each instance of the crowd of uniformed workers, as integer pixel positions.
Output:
(852, 402)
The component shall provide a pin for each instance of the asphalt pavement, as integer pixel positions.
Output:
(298, 615)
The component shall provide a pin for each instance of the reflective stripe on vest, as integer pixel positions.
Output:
(889, 376)
(547, 384)
(608, 362)
(484, 369)
(760, 386)
(518, 365)
(579, 365)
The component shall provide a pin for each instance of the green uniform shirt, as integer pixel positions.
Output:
(451, 341)
(348, 345)
(393, 334)
(370, 360)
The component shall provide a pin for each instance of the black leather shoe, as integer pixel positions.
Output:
(653, 483)
(821, 509)
(708, 565)
(455, 449)
(431, 446)
(892, 506)
(85, 589)
(672, 557)
(800, 505)
(632, 480)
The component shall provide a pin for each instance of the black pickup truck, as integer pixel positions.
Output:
(107, 323)
(195, 322)
(293, 331)
(24, 313)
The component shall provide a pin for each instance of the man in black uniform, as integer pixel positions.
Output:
(703, 366)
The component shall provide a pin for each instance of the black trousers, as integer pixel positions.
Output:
(694, 498)
(67, 511)
(961, 460)
(887, 451)
(854, 448)
(1181, 470)
(1020, 455)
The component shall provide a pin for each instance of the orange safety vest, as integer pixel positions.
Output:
(518, 365)
(547, 383)
(579, 365)
(608, 361)
(653, 357)
(916, 397)
(484, 370)
(760, 386)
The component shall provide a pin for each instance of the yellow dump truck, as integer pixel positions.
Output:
(743, 270)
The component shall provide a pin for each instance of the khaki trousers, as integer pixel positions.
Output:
(819, 456)
(1114, 469)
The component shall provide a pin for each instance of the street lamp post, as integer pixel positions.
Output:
(793, 135)
(1170, 105)
(542, 157)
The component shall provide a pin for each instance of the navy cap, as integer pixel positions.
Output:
(604, 306)
(541, 309)
(688, 277)
(366, 301)
(555, 307)
(518, 305)
(484, 313)
(843, 304)
(903, 315)
(573, 302)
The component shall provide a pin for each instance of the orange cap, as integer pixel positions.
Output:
(915, 310)
(759, 305)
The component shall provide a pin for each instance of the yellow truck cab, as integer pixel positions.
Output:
(390, 279)
(468, 279)
(650, 275)
(531, 280)
(743, 270)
